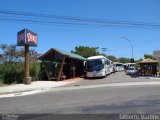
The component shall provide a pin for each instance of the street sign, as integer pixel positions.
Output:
(27, 37)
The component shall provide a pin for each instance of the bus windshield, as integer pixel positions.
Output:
(119, 65)
(94, 65)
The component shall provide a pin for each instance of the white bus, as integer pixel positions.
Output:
(98, 66)
(128, 65)
(118, 66)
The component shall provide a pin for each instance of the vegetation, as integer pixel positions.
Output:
(112, 58)
(86, 51)
(124, 60)
(149, 56)
(2, 85)
(12, 64)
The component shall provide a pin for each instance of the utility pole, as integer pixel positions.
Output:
(104, 50)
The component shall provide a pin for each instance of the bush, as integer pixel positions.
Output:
(35, 71)
(1, 73)
(13, 72)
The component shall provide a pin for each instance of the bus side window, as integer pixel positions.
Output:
(107, 62)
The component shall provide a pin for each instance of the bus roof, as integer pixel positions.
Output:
(129, 63)
(95, 57)
(117, 63)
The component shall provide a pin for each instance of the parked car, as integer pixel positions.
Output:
(131, 71)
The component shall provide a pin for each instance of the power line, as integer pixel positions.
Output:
(75, 18)
(65, 23)
(72, 20)
(104, 50)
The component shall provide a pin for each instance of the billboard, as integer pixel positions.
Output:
(27, 37)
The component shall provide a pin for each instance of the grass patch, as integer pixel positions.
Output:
(3, 85)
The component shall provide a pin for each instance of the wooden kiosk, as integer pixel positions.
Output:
(59, 65)
(149, 67)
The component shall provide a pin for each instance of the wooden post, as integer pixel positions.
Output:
(27, 79)
(27, 38)
(46, 72)
(61, 68)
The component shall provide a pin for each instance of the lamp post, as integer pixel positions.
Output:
(130, 44)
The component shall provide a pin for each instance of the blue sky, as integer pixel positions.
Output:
(66, 37)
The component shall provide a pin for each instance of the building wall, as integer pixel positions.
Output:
(156, 54)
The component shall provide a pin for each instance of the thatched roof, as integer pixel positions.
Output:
(67, 54)
(148, 60)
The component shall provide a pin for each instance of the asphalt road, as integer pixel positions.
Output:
(95, 100)
(129, 99)
(118, 77)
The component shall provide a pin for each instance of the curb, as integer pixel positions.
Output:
(38, 90)
(20, 94)
(157, 78)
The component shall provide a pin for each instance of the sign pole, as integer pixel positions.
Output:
(27, 38)
(27, 79)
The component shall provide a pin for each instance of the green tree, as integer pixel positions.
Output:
(8, 53)
(12, 64)
(124, 60)
(112, 58)
(86, 51)
(149, 56)
(139, 60)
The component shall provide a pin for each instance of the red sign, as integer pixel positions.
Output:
(32, 38)
(27, 37)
